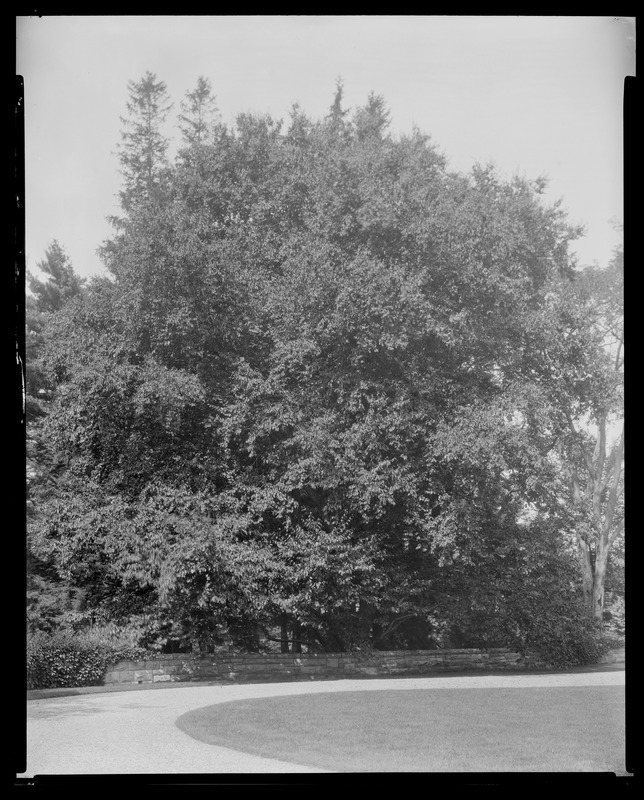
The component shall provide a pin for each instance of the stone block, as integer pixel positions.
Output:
(369, 670)
(397, 664)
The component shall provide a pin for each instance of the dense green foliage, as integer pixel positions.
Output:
(49, 599)
(313, 398)
(66, 660)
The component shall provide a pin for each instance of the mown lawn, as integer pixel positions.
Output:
(561, 729)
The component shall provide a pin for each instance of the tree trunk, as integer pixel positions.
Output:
(284, 634)
(297, 644)
(599, 579)
(604, 474)
(587, 576)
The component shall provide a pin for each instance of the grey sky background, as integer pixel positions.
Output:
(533, 95)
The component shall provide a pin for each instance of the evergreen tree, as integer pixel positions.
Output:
(48, 597)
(336, 116)
(372, 120)
(143, 147)
(199, 114)
(61, 284)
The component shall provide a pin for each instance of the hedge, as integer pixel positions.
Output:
(65, 660)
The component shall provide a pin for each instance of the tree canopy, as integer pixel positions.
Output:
(326, 389)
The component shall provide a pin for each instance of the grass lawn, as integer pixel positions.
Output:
(560, 729)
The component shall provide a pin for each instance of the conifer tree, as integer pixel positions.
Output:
(47, 595)
(199, 114)
(143, 147)
(371, 120)
(61, 284)
(336, 118)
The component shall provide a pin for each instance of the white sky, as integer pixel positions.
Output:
(534, 95)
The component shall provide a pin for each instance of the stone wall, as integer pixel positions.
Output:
(244, 668)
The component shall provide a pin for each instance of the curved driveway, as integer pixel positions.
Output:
(134, 732)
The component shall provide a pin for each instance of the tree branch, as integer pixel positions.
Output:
(393, 625)
(616, 531)
(578, 436)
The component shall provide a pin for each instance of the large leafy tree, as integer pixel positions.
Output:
(306, 397)
(602, 498)
(582, 341)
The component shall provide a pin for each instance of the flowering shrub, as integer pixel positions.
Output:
(64, 659)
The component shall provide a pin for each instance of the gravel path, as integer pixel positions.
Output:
(134, 732)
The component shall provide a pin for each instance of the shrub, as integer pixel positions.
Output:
(576, 650)
(614, 616)
(565, 640)
(67, 660)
